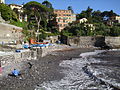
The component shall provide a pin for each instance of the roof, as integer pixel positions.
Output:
(15, 5)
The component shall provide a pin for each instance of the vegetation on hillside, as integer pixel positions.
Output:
(6, 13)
(42, 21)
(40, 18)
(98, 19)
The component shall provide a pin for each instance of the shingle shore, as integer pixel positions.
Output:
(45, 69)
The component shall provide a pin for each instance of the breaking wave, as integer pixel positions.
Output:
(85, 73)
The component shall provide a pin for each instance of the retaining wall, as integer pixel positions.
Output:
(41, 52)
(81, 41)
(10, 33)
(98, 41)
(113, 41)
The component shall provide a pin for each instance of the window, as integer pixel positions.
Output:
(66, 17)
(59, 17)
(58, 20)
(63, 20)
(60, 25)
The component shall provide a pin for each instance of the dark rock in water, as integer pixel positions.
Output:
(106, 47)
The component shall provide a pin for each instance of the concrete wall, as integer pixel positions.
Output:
(10, 33)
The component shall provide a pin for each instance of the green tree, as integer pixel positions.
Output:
(36, 11)
(47, 4)
(102, 29)
(108, 14)
(70, 8)
(86, 14)
(7, 13)
(49, 25)
(52, 27)
(115, 31)
(96, 16)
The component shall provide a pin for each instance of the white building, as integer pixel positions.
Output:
(19, 8)
(117, 18)
(83, 20)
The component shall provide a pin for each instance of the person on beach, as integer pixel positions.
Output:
(15, 73)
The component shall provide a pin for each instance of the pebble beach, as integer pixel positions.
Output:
(43, 69)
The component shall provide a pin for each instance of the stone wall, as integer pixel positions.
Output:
(82, 41)
(113, 41)
(10, 33)
(31, 54)
(96, 41)
(53, 39)
(14, 60)
(41, 52)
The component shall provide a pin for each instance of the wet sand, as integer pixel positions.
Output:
(45, 69)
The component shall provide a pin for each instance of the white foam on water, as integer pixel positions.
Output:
(75, 78)
(87, 54)
(42, 88)
(101, 71)
(114, 50)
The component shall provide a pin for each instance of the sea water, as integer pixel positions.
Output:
(95, 70)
